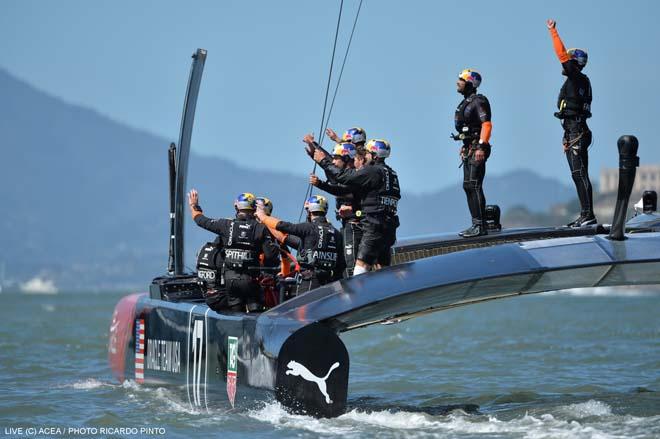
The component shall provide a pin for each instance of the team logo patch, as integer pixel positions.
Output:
(232, 368)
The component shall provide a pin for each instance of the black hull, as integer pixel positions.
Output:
(188, 345)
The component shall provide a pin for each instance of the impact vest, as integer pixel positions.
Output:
(575, 97)
(241, 250)
(471, 120)
(209, 266)
(385, 199)
(323, 255)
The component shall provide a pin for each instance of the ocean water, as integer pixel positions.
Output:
(565, 365)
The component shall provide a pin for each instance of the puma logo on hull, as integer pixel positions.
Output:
(297, 369)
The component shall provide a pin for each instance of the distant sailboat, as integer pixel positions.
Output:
(37, 285)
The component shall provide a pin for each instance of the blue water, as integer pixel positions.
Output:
(581, 365)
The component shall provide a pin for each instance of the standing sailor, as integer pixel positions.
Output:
(320, 253)
(347, 203)
(378, 185)
(472, 121)
(574, 104)
(243, 240)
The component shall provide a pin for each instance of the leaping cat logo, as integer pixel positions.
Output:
(297, 369)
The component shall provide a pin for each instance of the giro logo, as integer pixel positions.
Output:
(297, 369)
(206, 274)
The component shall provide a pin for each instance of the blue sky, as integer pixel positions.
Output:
(265, 76)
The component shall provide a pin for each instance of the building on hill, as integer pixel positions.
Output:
(647, 179)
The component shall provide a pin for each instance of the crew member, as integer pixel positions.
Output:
(378, 185)
(284, 241)
(320, 256)
(243, 240)
(574, 105)
(210, 274)
(347, 207)
(472, 121)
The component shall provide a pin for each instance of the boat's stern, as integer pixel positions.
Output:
(121, 331)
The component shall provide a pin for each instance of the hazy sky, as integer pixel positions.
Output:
(267, 67)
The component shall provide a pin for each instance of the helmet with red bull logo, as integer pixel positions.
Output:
(268, 205)
(317, 204)
(245, 201)
(345, 150)
(354, 135)
(578, 55)
(379, 147)
(471, 76)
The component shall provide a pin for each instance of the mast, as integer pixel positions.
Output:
(183, 153)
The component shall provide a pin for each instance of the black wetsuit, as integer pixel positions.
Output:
(473, 110)
(210, 274)
(351, 227)
(319, 254)
(574, 104)
(243, 240)
(378, 187)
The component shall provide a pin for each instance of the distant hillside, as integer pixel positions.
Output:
(85, 198)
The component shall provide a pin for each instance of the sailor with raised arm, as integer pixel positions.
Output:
(244, 239)
(347, 203)
(378, 185)
(319, 255)
(574, 105)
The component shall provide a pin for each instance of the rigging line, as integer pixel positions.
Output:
(332, 63)
(325, 102)
(334, 96)
(341, 72)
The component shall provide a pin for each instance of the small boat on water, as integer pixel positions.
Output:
(169, 336)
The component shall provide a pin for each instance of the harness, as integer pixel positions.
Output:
(384, 200)
(241, 251)
(323, 256)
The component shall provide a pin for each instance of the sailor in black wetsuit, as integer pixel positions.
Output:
(243, 240)
(380, 193)
(320, 255)
(210, 274)
(347, 203)
(574, 104)
(472, 121)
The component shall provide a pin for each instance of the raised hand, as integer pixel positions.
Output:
(309, 139)
(332, 135)
(193, 198)
(551, 23)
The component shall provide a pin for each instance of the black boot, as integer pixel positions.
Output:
(588, 220)
(475, 230)
(465, 231)
(576, 222)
